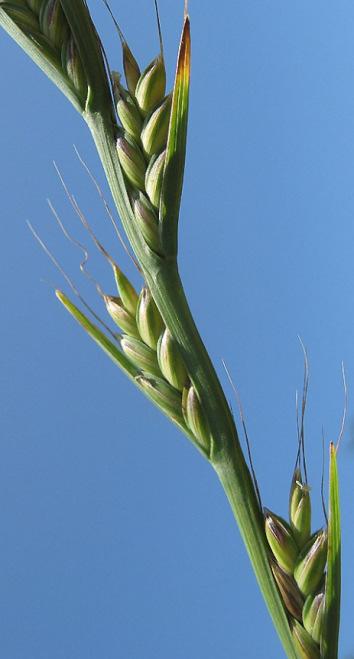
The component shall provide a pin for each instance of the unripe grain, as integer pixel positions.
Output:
(311, 563)
(146, 218)
(53, 22)
(141, 355)
(151, 86)
(281, 541)
(304, 644)
(313, 613)
(163, 394)
(300, 509)
(153, 178)
(132, 161)
(148, 319)
(121, 316)
(155, 129)
(170, 361)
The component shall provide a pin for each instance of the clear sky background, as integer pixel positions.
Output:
(116, 538)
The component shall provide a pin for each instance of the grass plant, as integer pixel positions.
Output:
(140, 131)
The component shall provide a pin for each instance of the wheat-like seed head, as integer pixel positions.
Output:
(144, 113)
(298, 564)
(151, 348)
(44, 24)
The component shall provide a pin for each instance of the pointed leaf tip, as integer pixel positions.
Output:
(183, 68)
(176, 145)
(331, 623)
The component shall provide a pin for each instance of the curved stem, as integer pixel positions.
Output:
(226, 456)
(234, 480)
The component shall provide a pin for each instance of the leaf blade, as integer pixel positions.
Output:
(330, 634)
(176, 145)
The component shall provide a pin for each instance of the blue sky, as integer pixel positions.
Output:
(117, 540)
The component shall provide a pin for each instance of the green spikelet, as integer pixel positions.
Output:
(132, 161)
(24, 19)
(170, 361)
(153, 178)
(304, 644)
(131, 68)
(147, 221)
(121, 316)
(312, 614)
(129, 114)
(71, 62)
(148, 319)
(155, 129)
(289, 591)
(281, 541)
(300, 509)
(126, 290)
(53, 23)
(151, 86)
(311, 562)
(141, 355)
(163, 394)
(194, 416)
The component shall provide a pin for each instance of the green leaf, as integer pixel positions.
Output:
(176, 146)
(330, 634)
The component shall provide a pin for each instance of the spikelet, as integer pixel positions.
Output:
(300, 509)
(131, 68)
(311, 563)
(155, 128)
(126, 290)
(26, 20)
(45, 24)
(132, 161)
(144, 114)
(141, 355)
(304, 644)
(289, 591)
(147, 221)
(195, 417)
(151, 86)
(281, 541)
(170, 361)
(148, 319)
(121, 316)
(53, 23)
(128, 112)
(313, 613)
(71, 63)
(162, 394)
(304, 560)
(153, 178)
